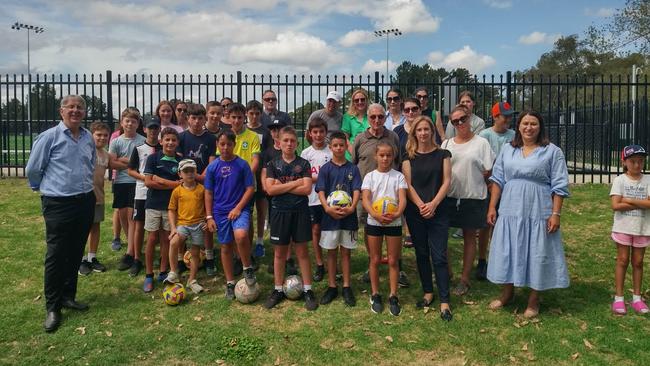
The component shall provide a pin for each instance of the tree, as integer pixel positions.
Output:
(95, 108)
(301, 114)
(629, 26)
(43, 103)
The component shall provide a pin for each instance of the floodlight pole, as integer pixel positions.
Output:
(635, 73)
(18, 26)
(387, 32)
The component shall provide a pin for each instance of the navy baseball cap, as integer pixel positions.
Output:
(632, 150)
(276, 123)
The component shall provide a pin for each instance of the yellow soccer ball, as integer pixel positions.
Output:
(385, 205)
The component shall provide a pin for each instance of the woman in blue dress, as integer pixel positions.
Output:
(531, 182)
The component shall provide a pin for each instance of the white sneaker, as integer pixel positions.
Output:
(195, 287)
(172, 277)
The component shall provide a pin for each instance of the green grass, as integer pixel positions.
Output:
(126, 326)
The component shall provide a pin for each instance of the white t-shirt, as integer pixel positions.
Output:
(632, 222)
(384, 185)
(468, 162)
(317, 158)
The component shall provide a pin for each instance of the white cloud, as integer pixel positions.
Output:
(298, 49)
(498, 4)
(252, 4)
(355, 37)
(538, 37)
(465, 57)
(371, 66)
(600, 13)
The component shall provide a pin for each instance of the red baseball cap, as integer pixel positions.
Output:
(502, 108)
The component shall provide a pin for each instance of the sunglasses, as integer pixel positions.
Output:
(393, 99)
(270, 99)
(459, 121)
(376, 116)
(359, 100)
(181, 110)
(420, 96)
(412, 109)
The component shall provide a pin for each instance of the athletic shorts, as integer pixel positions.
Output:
(635, 241)
(331, 239)
(373, 230)
(316, 214)
(467, 213)
(123, 195)
(193, 232)
(155, 220)
(289, 226)
(226, 228)
(138, 210)
(99, 213)
(259, 192)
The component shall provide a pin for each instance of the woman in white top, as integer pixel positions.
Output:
(471, 162)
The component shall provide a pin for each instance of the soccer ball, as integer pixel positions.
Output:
(339, 198)
(174, 294)
(246, 294)
(385, 205)
(293, 287)
(187, 258)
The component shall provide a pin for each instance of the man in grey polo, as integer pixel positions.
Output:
(61, 167)
(331, 114)
(271, 112)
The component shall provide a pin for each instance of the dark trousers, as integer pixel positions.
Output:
(67, 223)
(430, 241)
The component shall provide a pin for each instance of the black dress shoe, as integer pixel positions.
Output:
(446, 315)
(71, 304)
(52, 321)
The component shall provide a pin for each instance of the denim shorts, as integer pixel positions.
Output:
(193, 232)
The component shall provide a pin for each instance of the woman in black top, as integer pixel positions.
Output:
(427, 169)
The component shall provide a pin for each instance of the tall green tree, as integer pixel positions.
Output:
(301, 114)
(629, 27)
(43, 103)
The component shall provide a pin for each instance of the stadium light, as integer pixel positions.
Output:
(30, 28)
(387, 32)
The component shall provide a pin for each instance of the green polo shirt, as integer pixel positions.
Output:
(352, 126)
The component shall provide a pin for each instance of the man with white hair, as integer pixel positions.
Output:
(61, 167)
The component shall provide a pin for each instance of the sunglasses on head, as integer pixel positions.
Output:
(459, 121)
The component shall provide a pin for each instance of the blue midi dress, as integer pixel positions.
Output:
(522, 252)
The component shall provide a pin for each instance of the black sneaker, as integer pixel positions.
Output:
(125, 263)
(230, 291)
(330, 294)
(85, 268)
(375, 304)
(237, 267)
(320, 273)
(96, 266)
(403, 281)
(393, 306)
(210, 270)
(254, 264)
(275, 298)
(311, 303)
(135, 269)
(348, 297)
(291, 269)
(249, 276)
(481, 270)
(182, 267)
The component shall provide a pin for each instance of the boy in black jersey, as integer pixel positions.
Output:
(288, 182)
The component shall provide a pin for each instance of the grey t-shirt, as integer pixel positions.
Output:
(497, 140)
(122, 147)
(333, 121)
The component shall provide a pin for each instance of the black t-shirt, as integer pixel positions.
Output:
(288, 172)
(198, 148)
(269, 154)
(165, 167)
(427, 174)
(265, 136)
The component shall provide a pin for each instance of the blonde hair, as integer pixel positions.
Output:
(351, 110)
(412, 141)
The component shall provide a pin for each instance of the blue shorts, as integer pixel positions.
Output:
(226, 227)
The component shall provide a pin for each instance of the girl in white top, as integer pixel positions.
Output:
(630, 197)
(384, 182)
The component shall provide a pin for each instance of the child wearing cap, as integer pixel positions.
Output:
(631, 230)
(186, 212)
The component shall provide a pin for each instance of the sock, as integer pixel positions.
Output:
(636, 298)
(91, 256)
(278, 288)
(260, 240)
(306, 287)
(245, 268)
(619, 298)
(230, 282)
(179, 257)
(209, 254)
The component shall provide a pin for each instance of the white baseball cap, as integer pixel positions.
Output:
(333, 94)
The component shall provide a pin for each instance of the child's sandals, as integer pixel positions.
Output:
(618, 308)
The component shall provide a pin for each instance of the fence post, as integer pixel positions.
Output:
(376, 86)
(509, 86)
(109, 98)
(239, 87)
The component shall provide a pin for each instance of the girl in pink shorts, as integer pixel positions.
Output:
(631, 230)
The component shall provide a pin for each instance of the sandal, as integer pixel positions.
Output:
(531, 312)
(618, 308)
(461, 289)
(640, 307)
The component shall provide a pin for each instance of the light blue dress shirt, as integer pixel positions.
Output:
(59, 165)
(390, 124)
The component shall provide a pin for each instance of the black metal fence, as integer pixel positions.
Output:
(591, 119)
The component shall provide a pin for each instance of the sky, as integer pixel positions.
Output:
(287, 36)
